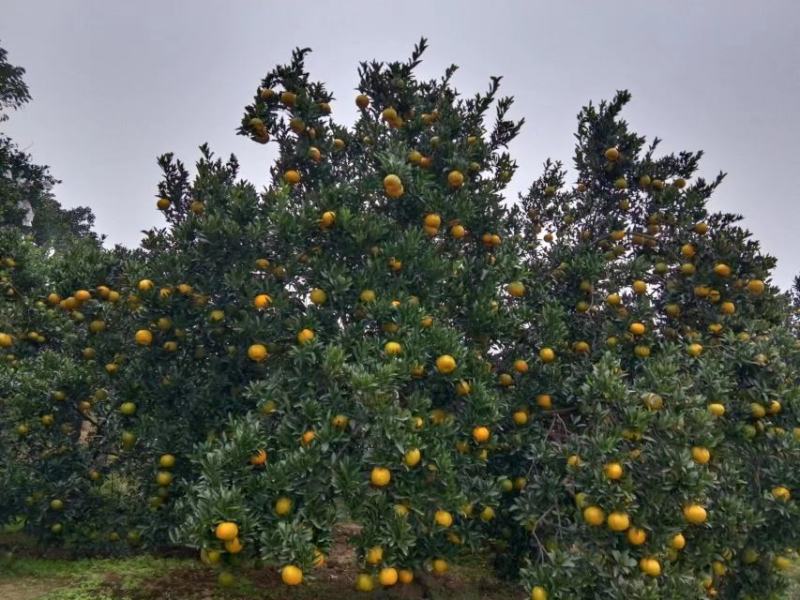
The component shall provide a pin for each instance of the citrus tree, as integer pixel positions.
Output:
(596, 384)
(655, 380)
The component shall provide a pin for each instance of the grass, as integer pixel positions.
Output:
(151, 578)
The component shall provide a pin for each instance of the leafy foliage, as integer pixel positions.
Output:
(598, 383)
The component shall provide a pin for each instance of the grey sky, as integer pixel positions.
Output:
(116, 83)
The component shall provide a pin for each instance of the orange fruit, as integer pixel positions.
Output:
(618, 521)
(393, 186)
(481, 434)
(455, 179)
(257, 352)
(226, 531)
(143, 337)
(291, 575)
(388, 576)
(380, 477)
(445, 364)
(694, 514)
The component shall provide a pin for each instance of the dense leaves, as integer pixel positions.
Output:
(596, 384)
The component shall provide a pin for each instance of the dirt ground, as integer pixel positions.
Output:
(28, 588)
(32, 577)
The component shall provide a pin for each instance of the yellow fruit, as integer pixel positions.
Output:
(393, 348)
(412, 457)
(393, 186)
(573, 460)
(319, 558)
(283, 506)
(688, 250)
(164, 478)
(781, 493)
(233, 546)
(367, 296)
(755, 287)
(694, 514)
(613, 471)
(443, 518)
(433, 220)
(288, 98)
(678, 542)
(362, 101)
(455, 179)
(143, 337)
(458, 231)
(520, 366)
(262, 301)
(594, 516)
(406, 576)
(291, 177)
(650, 566)
(257, 352)
(636, 536)
(340, 421)
(614, 299)
(463, 388)
(701, 455)
(727, 308)
(364, 582)
(327, 220)
(226, 531)
(387, 576)
(758, 411)
(637, 328)
(547, 355)
(516, 289)
(544, 401)
(380, 476)
(538, 593)
(716, 409)
(305, 336)
(374, 555)
(440, 566)
(6, 340)
(520, 417)
(722, 270)
(481, 434)
(611, 154)
(259, 458)
(782, 563)
(291, 575)
(308, 437)
(445, 364)
(166, 461)
(694, 350)
(639, 287)
(318, 296)
(163, 203)
(487, 514)
(618, 521)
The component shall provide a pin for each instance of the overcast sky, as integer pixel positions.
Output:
(116, 83)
